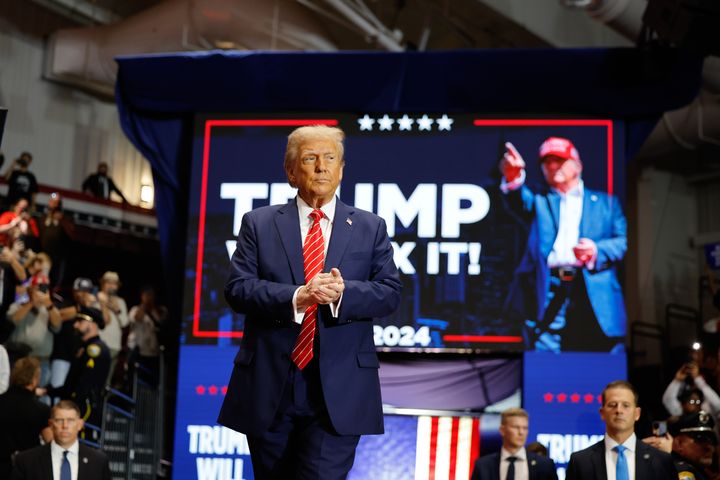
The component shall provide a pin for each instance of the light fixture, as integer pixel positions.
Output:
(146, 194)
(579, 4)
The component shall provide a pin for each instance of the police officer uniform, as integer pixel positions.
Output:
(89, 370)
(700, 426)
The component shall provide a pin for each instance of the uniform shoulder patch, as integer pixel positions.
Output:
(686, 475)
(93, 350)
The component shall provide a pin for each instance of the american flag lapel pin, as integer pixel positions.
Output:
(348, 221)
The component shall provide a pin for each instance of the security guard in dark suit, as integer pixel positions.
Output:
(693, 445)
(85, 382)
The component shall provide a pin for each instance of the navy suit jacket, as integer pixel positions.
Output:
(36, 464)
(603, 222)
(487, 467)
(650, 464)
(265, 271)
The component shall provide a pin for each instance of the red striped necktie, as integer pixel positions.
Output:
(313, 261)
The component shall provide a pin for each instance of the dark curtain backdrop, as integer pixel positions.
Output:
(158, 95)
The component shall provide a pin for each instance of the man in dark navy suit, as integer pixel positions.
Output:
(566, 290)
(309, 276)
(514, 462)
(620, 456)
(65, 458)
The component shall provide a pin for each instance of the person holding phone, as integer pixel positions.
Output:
(679, 400)
(692, 445)
(35, 321)
(115, 313)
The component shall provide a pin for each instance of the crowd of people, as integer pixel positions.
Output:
(61, 346)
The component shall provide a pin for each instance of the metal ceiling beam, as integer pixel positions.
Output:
(372, 26)
(80, 11)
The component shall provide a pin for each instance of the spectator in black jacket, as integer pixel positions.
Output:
(100, 185)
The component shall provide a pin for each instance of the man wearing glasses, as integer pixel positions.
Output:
(689, 393)
(65, 458)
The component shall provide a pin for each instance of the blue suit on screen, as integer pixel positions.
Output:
(266, 269)
(603, 222)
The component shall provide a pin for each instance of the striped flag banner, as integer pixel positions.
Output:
(446, 448)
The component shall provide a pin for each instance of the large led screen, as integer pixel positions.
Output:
(565, 407)
(459, 240)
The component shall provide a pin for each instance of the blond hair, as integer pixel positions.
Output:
(301, 135)
(513, 412)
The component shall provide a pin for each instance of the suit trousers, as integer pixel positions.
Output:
(301, 442)
(570, 322)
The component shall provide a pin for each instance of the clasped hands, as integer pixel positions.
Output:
(323, 288)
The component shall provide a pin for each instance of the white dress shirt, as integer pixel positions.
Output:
(56, 452)
(521, 465)
(326, 225)
(611, 456)
(571, 205)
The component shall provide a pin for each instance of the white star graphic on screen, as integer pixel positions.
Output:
(366, 123)
(444, 122)
(424, 122)
(385, 122)
(405, 123)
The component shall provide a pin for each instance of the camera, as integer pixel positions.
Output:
(659, 428)
(43, 287)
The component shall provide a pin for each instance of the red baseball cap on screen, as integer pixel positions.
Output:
(559, 147)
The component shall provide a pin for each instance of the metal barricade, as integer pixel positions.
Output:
(116, 439)
(146, 456)
(132, 427)
(91, 435)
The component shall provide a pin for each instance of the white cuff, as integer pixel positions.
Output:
(298, 314)
(335, 307)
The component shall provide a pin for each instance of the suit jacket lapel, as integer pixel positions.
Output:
(288, 226)
(46, 460)
(82, 463)
(341, 233)
(495, 467)
(598, 461)
(530, 465)
(642, 462)
(554, 205)
(588, 201)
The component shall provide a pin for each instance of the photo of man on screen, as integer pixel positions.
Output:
(565, 289)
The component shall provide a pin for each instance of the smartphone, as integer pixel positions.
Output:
(659, 428)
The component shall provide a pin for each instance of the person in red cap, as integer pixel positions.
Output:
(566, 290)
